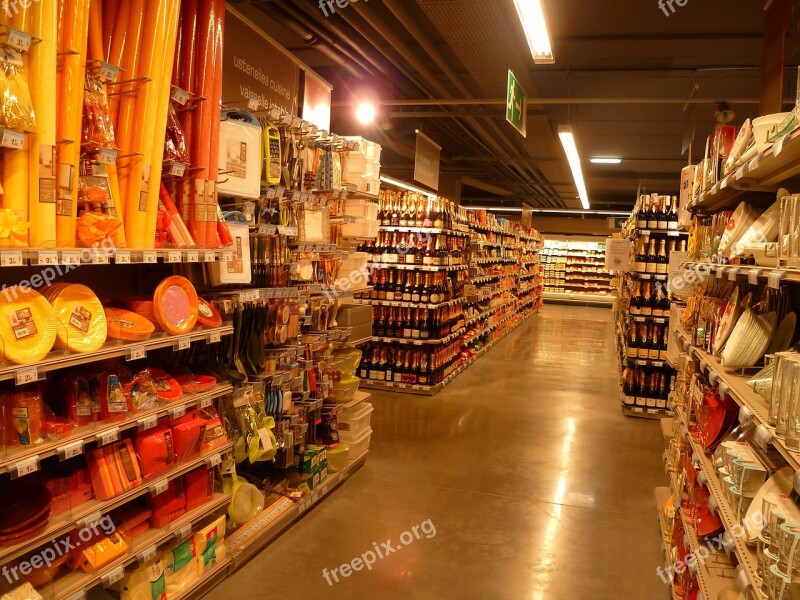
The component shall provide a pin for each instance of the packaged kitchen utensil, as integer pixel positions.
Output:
(240, 156)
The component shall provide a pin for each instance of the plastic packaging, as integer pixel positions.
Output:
(176, 305)
(175, 144)
(240, 155)
(98, 130)
(113, 469)
(155, 451)
(28, 325)
(83, 320)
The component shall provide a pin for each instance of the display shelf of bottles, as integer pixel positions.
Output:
(656, 213)
(486, 278)
(424, 212)
(667, 232)
(404, 304)
(403, 267)
(428, 230)
(528, 275)
(493, 259)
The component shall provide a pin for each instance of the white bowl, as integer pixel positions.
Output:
(762, 127)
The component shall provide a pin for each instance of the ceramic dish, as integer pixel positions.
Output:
(28, 325)
(727, 322)
(784, 334)
(779, 483)
(764, 126)
(176, 305)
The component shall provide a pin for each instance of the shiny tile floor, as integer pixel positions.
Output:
(534, 483)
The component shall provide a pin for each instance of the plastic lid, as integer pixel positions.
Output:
(176, 305)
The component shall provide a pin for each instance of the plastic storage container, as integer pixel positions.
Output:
(345, 389)
(355, 421)
(360, 229)
(337, 457)
(361, 209)
(358, 445)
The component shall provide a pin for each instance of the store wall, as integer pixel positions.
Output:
(570, 225)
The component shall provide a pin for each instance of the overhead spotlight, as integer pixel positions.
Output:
(365, 113)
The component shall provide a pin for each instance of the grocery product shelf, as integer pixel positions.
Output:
(432, 268)
(92, 510)
(402, 304)
(429, 230)
(73, 257)
(61, 359)
(72, 584)
(662, 495)
(754, 273)
(199, 587)
(578, 297)
(253, 536)
(738, 389)
(74, 444)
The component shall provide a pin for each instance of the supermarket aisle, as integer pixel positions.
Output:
(536, 485)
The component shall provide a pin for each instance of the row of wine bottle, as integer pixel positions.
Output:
(648, 341)
(413, 286)
(649, 298)
(650, 260)
(644, 382)
(415, 249)
(388, 363)
(417, 323)
(657, 212)
(410, 209)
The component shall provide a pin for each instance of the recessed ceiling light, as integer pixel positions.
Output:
(531, 14)
(605, 161)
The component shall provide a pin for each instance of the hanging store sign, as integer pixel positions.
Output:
(426, 161)
(316, 101)
(516, 104)
(256, 72)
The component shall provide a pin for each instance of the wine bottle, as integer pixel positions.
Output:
(636, 299)
(646, 304)
(416, 289)
(664, 343)
(413, 377)
(672, 219)
(390, 323)
(366, 363)
(391, 251)
(663, 215)
(654, 347)
(628, 385)
(407, 324)
(389, 370)
(652, 215)
(438, 219)
(415, 332)
(403, 220)
(408, 287)
(425, 296)
(641, 258)
(633, 342)
(399, 372)
(424, 325)
(399, 287)
(652, 258)
(427, 257)
(373, 369)
(644, 207)
(419, 218)
(428, 214)
(641, 386)
(435, 292)
(662, 262)
(644, 341)
(423, 368)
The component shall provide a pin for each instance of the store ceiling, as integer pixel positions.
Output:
(615, 61)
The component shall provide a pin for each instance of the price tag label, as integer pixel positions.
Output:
(11, 259)
(136, 353)
(177, 412)
(108, 71)
(79, 595)
(777, 147)
(25, 467)
(70, 450)
(752, 276)
(723, 388)
(159, 487)
(713, 377)
(177, 169)
(745, 414)
(179, 95)
(113, 576)
(638, 409)
(12, 139)
(775, 278)
(107, 157)
(90, 520)
(184, 532)
(70, 257)
(193, 256)
(174, 256)
(149, 257)
(100, 258)
(209, 256)
(732, 273)
(122, 257)
(108, 436)
(147, 555)
(26, 375)
(213, 337)
(183, 343)
(213, 461)
(763, 437)
(253, 104)
(19, 40)
(46, 258)
(205, 403)
(147, 422)
(227, 256)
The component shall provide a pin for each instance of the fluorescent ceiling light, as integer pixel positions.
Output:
(567, 211)
(406, 186)
(495, 208)
(531, 14)
(605, 161)
(574, 159)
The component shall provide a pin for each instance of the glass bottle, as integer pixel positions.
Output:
(663, 215)
(652, 215)
(403, 220)
(651, 258)
(662, 262)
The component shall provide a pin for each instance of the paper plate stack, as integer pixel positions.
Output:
(176, 305)
(83, 326)
(742, 219)
(763, 230)
(749, 339)
(28, 325)
(26, 511)
(128, 325)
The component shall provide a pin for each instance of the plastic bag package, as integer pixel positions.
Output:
(17, 107)
(175, 143)
(97, 220)
(249, 427)
(97, 128)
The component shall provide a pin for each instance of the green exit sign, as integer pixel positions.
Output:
(516, 104)
(616, 222)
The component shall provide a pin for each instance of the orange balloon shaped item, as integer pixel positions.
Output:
(176, 305)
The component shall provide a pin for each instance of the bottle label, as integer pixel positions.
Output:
(652, 224)
(415, 297)
(647, 311)
(635, 310)
(662, 268)
(673, 225)
(644, 353)
(662, 355)
(633, 352)
(407, 332)
(653, 354)
(663, 225)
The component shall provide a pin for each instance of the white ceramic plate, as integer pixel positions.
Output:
(782, 338)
